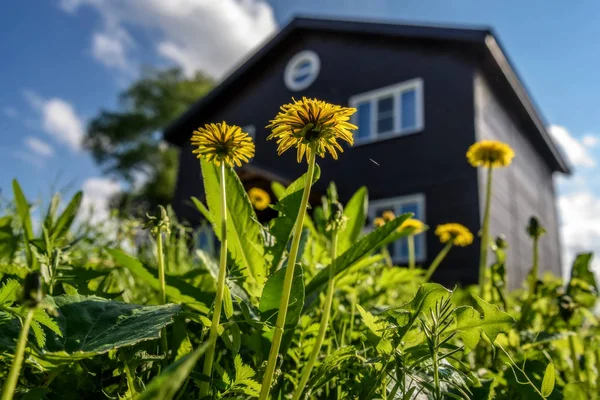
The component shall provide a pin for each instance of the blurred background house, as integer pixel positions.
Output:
(423, 95)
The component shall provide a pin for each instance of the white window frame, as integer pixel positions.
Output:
(394, 204)
(396, 91)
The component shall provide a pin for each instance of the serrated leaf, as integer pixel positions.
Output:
(548, 381)
(166, 385)
(374, 324)
(9, 293)
(282, 226)
(470, 324)
(242, 371)
(44, 319)
(363, 247)
(356, 212)
(14, 270)
(244, 232)
(330, 367)
(38, 333)
(426, 299)
(93, 325)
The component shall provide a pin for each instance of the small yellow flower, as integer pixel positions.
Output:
(219, 143)
(304, 122)
(378, 222)
(259, 198)
(388, 215)
(490, 153)
(459, 234)
(415, 225)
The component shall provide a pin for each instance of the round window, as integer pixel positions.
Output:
(302, 70)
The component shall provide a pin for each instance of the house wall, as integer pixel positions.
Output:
(524, 189)
(431, 162)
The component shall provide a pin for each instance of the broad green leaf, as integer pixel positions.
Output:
(288, 206)
(203, 210)
(93, 325)
(356, 212)
(363, 247)
(192, 297)
(426, 298)
(548, 381)
(581, 269)
(244, 232)
(9, 293)
(213, 269)
(64, 222)
(271, 296)
(470, 324)
(227, 302)
(166, 385)
(25, 218)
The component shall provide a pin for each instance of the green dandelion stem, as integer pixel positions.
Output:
(411, 251)
(287, 283)
(535, 267)
(483, 252)
(324, 321)
(214, 326)
(15, 369)
(438, 259)
(163, 291)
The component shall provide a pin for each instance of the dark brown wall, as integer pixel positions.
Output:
(430, 162)
(521, 190)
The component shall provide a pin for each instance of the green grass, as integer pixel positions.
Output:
(101, 326)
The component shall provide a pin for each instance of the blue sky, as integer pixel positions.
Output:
(63, 60)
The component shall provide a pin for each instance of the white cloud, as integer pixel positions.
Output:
(110, 48)
(59, 119)
(39, 147)
(97, 193)
(580, 226)
(575, 150)
(206, 35)
(10, 112)
(590, 140)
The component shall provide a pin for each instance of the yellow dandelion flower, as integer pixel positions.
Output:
(459, 234)
(415, 225)
(259, 198)
(490, 153)
(378, 222)
(388, 215)
(310, 121)
(220, 142)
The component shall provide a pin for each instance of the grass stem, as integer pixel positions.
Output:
(15, 370)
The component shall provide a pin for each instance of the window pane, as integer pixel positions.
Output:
(385, 115)
(416, 210)
(408, 109)
(364, 120)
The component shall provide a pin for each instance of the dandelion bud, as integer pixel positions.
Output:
(534, 229)
(32, 290)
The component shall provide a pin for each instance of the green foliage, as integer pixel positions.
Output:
(391, 335)
(126, 142)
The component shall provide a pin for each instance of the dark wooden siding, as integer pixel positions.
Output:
(431, 162)
(521, 190)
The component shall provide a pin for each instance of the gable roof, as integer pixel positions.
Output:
(477, 39)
